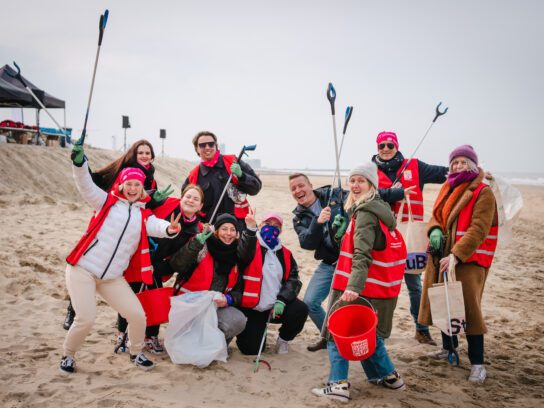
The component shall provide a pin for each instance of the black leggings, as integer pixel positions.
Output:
(475, 346)
(292, 322)
(122, 323)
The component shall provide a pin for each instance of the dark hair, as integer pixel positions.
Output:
(203, 133)
(194, 187)
(109, 172)
(295, 175)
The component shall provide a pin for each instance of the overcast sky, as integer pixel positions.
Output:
(257, 71)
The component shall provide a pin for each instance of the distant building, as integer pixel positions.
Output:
(254, 163)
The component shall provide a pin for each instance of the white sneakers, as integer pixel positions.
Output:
(282, 346)
(477, 374)
(336, 390)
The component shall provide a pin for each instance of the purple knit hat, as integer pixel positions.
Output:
(466, 151)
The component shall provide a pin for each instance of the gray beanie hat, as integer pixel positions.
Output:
(368, 170)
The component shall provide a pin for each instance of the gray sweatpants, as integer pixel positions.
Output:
(231, 322)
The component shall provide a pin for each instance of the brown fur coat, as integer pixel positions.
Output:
(471, 275)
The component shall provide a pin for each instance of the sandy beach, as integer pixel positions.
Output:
(43, 216)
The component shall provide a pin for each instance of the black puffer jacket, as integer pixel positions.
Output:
(212, 180)
(185, 261)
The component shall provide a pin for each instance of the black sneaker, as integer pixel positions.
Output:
(321, 344)
(67, 365)
(69, 319)
(140, 360)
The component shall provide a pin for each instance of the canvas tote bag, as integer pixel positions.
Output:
(417, 241)
(447, 303)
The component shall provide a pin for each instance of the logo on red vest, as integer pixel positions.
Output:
(407, 174)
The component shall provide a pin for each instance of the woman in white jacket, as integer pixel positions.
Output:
(117, 231)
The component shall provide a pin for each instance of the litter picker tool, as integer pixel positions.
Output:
(18, 76)
(101, 27)
(245, 149)
(258, 359)
(349, 111)
(437, 115)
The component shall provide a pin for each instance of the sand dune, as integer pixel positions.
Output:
(42, 218)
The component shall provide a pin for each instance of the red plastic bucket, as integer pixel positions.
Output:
(353, 328)
(156, 304)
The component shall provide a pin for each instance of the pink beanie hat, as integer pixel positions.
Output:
(132, 173)
(388, 137)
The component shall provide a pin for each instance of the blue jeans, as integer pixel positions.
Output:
(317, 291)
(378, 366)
(413, 283)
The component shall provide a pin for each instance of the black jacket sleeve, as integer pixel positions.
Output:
(185, 261)
(309, 237)
(391, 195)
(291, 287)
(238, 290)
(246, 248)
(250, 183)
(429, 173)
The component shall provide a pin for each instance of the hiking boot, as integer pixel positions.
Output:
(477, 374)
(424, 337)
(153, 345)
(440, 354)
(321, 344)
(282, 346)
(121, 343)
(141, 361)
(336, 390)
(67, 365)
(393, 382)
(70, 316)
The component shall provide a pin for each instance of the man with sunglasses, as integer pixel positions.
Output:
(212, 174)
(415, 174)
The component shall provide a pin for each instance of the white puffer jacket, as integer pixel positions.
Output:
(109, 254)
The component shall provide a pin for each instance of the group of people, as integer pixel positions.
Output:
(140, 236)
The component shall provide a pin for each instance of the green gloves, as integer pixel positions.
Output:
(204, 235)
(78, 155)
(236, 170)
(160, 195)
(435, 239)
(279, 307)
(341, 225)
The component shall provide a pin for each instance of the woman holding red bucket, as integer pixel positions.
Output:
(212, 261)
(371, 265)
(117, 232)
(187, 207)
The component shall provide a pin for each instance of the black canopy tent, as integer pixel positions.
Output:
(14, 95)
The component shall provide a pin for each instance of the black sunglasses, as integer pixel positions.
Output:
(209, 144)
(389, 146)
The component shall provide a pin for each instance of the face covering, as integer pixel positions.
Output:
(454, 179)
(270, 234)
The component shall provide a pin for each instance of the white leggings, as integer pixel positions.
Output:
(82, 287)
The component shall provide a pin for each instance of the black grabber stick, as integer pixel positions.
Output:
(101, 28)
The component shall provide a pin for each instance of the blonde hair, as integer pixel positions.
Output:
(142, 196)
(369, 196)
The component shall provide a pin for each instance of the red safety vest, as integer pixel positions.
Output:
(409, 178)
(253, 277)
(139, 265)
(386, 270)
(202, 277)
(240, 209)
(484, 254)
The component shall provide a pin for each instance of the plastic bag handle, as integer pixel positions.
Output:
(399, 215)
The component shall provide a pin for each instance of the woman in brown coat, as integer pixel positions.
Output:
(465, 221)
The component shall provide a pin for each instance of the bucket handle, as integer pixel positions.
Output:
(359, 296)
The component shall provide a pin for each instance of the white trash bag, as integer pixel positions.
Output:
(192, 335)
(509, 205)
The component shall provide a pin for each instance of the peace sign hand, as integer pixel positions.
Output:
(174, 227)
(251, 222)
